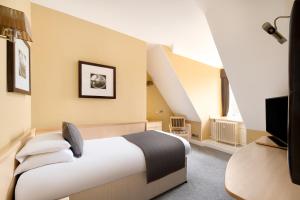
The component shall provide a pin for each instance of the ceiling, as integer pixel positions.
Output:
(178, 24)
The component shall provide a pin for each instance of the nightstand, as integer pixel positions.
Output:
(154, 125)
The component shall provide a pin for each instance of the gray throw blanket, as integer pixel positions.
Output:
(164, 154)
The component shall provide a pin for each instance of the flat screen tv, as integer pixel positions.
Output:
(277, 119)
(294, 94)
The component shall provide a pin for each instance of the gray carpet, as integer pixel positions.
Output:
(206, 171)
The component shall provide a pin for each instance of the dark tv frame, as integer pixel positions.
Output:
(294, 95)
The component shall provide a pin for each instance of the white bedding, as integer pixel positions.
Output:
(103, 161)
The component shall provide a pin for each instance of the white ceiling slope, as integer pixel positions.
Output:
(169, 86)
(180, 24)
(255, 63)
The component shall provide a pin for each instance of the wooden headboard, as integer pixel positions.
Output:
(8, 162)
(104, 130)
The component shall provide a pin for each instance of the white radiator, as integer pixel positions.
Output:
(225, 131)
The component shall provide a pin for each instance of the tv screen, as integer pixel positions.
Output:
(277, 118)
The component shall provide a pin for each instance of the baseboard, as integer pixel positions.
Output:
(215, 145)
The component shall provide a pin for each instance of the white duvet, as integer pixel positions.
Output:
(103, 161)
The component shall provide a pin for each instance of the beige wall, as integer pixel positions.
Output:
(155, 104)
(196, 129)
(15, 108)
(203, 86)
(60, 41)
(253, 135)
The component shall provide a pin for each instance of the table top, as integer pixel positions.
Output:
(260, 172)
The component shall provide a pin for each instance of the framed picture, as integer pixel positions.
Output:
(97, 81)
(18, 67)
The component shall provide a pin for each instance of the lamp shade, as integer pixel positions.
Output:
(14, 23)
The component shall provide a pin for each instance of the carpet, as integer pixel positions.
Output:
(206, 172)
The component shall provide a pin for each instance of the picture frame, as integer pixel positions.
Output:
(96, 80)
(18, 67)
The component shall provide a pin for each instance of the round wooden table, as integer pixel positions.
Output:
(258, 172)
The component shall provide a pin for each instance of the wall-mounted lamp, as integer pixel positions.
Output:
(272, 30)
(159, 112)
(14, 24)
(149, 83)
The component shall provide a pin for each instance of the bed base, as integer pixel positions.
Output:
(133, 187)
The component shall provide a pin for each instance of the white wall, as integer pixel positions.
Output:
(256, 64)
(168, 84)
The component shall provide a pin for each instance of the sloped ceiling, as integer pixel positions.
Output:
(178, 24)
(255, 63)
(165, 78)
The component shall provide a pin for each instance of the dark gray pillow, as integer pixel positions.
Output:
(72, 135)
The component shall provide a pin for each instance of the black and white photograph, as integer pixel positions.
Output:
(18, 67)
(96, 80)
(22, 64)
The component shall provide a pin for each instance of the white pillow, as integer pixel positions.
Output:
(40, 160)
(45, 143)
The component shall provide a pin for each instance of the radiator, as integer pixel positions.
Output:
(225, 131)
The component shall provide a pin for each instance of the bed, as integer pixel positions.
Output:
(117, 177)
